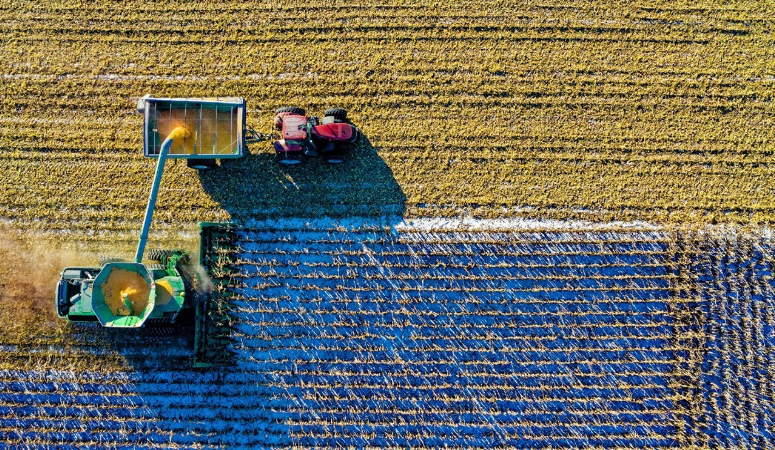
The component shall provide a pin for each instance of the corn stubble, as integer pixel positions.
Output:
(636, 113)
(624, 337)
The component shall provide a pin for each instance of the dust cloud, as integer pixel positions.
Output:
(29, 272)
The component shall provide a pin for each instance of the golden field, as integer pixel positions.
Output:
(562, 110)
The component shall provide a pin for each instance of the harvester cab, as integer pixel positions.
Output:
(303, 136)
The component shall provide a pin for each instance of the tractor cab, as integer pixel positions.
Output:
(304, 136)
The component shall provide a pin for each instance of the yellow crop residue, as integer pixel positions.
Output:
(126, 292)
(621, 113)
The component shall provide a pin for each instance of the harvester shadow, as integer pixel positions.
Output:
(258, 188)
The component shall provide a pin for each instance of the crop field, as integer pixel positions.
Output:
(554, 231)
(342, 336)
(582, 109)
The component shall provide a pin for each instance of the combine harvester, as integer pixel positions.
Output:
(134, 294)
(199, 130)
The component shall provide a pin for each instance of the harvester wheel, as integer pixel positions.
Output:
(156, 254)
(110, 259)
(291, 109)
(201, 164)
(336, 113)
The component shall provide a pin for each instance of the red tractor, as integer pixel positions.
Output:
(303, 136)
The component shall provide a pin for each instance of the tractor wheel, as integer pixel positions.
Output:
(201, 164)
(110, 259)
(290, 158)
(156, 254)
(291, 109)
(336, 113)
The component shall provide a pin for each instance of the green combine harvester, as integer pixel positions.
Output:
(138, 295)
(123, 294)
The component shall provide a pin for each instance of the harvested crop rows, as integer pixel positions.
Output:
(394, 334)
(559, 109)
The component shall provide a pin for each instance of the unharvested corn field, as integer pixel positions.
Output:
(554, 231)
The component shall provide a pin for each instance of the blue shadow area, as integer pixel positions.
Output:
(257, 187)
(737, 294)
(420, 339)
(371, 333)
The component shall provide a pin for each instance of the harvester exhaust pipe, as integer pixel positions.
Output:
(177, 133)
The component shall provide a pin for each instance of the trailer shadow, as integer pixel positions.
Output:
(255, 187)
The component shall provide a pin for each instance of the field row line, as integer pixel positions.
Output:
(313, 307)
(611, 392)
(598, 304)
(378, 234)
(514, 346)
(483, 265)
(411, 82)
(538, 14)
(392, 31)
(455, 154)
(382, 34)
(108, 387)
(242, 375)
(438, 250)
(374, 408)
(549, 82)
(650, 109)
(498, 276)
(430, 290)
(377, 237)
(399, 323)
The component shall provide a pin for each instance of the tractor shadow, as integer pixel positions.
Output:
(256, 187)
